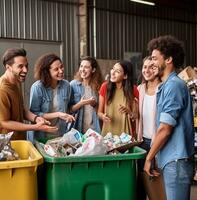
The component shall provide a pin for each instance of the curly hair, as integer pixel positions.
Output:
(42, 66)
(169, 46)
(96, 78)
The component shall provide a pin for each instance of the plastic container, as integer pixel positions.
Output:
(18, 179)
(108, 177)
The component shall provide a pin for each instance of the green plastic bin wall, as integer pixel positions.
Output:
(108, 177)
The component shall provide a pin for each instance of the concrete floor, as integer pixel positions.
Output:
(194, 192)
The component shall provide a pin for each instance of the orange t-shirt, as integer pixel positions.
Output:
(11, 106)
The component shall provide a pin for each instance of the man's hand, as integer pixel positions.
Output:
(147, 166)
(40, 126)
(148, 169)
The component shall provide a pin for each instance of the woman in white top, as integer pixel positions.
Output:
(147, 109)
(147, 101)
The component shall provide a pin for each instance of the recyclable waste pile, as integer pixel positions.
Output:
(73, 143)
(7, 153)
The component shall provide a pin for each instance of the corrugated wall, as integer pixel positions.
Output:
(121, 26)
(43, 20)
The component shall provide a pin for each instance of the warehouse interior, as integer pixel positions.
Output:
(108, 30)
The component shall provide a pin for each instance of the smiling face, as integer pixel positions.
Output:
(18, 69)
(148, 72)
(57, 70)
(158, 62)
(85, 70)
(117, 74)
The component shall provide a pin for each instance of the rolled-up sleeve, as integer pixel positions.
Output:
(172, 104)
(168, 119)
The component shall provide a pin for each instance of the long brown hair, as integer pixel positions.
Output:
(128, 88)
(127, 84)
(96, 78)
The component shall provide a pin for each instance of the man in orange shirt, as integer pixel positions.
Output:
(12, 109)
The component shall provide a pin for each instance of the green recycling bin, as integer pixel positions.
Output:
(106, 177)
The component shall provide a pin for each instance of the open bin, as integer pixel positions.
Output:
(18, 179)
(107, 177)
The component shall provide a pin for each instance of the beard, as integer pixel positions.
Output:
(161, 69)
(19, 77)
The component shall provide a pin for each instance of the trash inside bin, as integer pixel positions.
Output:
(18, 178)
(106, 177)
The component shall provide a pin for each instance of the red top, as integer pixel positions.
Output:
(103, 90)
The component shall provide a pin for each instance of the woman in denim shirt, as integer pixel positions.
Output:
(84, 99)
(50, 95)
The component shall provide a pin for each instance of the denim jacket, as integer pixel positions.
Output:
(76, 95)
(41, 100)
(174, 107)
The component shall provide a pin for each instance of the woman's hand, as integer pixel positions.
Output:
(125, 110)
(105, 118)
(66, 117)
(90, 101)
(42, 120)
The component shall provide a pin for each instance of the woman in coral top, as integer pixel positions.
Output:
(147, 109)
(118, 104)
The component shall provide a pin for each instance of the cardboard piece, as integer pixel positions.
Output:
(188, 74)
(154, 187)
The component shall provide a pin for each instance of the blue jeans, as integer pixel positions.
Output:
(177, 178)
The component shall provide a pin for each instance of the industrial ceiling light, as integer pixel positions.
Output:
(144, 2)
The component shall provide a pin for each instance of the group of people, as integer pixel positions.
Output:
(158, 112)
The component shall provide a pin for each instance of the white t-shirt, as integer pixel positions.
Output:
(53, 108)
(88, 110)
(148, 120)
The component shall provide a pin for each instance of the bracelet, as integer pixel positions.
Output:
(34, 121)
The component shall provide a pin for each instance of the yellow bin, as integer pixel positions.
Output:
(18, 179)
